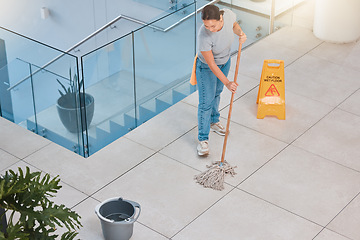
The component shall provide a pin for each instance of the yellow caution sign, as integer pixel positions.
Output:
(271, 95)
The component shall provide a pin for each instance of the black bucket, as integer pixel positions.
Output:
(117, 218)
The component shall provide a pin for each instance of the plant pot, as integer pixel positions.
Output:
(3, 222)
(69, 113)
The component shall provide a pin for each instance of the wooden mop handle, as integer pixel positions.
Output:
(231, 104)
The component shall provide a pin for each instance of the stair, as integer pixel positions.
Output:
(117, 126)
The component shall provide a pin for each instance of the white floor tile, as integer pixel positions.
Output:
(346, 55)
(348, 221)
(6, 160)
(242, 216)
(19, 164)
(90, 174)
(19, 141)
(68, 195)
(321, 80)
(142, 232)
(165, 127)
(246, 149)
(329, 235)
(295, 38)
(252, 58)
(91, 224)
(168, 194)
(336, 137)
(305, 184)
(301, 114)
(352, 103)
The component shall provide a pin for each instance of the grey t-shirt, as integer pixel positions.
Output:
(218, 42)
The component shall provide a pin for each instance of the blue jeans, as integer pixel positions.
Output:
(210, 88)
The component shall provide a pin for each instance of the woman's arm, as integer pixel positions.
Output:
(209, 58)
(238, 31)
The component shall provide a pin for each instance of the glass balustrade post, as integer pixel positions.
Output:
(33, 98)
(5, 97)
(134, 78)
(83, 111)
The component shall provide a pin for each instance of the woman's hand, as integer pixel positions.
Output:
(242, 37)
(238, 31)
(232, 86)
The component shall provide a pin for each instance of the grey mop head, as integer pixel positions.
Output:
(214, 177)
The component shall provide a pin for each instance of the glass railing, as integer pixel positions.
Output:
(109, 77)
(133, 78)
(16, 105)
(131, 72)
(30, 85)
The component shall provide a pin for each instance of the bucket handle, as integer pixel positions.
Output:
(97, 211)
(131, 220)
(136, 205)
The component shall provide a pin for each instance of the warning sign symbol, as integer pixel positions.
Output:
(272, 91)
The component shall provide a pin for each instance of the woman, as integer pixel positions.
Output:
(215, 38)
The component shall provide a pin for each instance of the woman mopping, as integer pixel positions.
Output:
(215, 38)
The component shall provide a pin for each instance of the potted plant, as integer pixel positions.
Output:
(32, 214)
(68, 108)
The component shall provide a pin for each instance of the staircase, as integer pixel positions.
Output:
(104, 133)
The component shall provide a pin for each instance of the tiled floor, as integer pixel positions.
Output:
(297, 178)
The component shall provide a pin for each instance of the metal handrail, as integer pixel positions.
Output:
(53, 73)
(195, 12)
(70, 49)
(106, 26)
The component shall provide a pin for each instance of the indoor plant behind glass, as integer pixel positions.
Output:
(31, 213)
(69, 109)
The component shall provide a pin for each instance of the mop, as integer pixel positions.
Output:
(214, 177)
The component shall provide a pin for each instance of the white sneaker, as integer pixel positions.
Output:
(203, 148)
(218, 128)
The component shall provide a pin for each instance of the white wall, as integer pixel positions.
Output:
(70, 21)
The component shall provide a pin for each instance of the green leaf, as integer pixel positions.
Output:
(63, 87)
(28, 193)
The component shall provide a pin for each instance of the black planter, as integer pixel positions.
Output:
(3, 221)
(69, 114)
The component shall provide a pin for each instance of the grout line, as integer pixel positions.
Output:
(325, 227)
(273, 204)
(152, 229)
(83, 200)
(314, 238)
(263, 165)
(194, 219)
(357, 195)
(116, 178)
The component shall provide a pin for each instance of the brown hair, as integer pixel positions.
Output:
(211, 12)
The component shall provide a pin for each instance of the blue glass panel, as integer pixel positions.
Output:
(109, 78)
